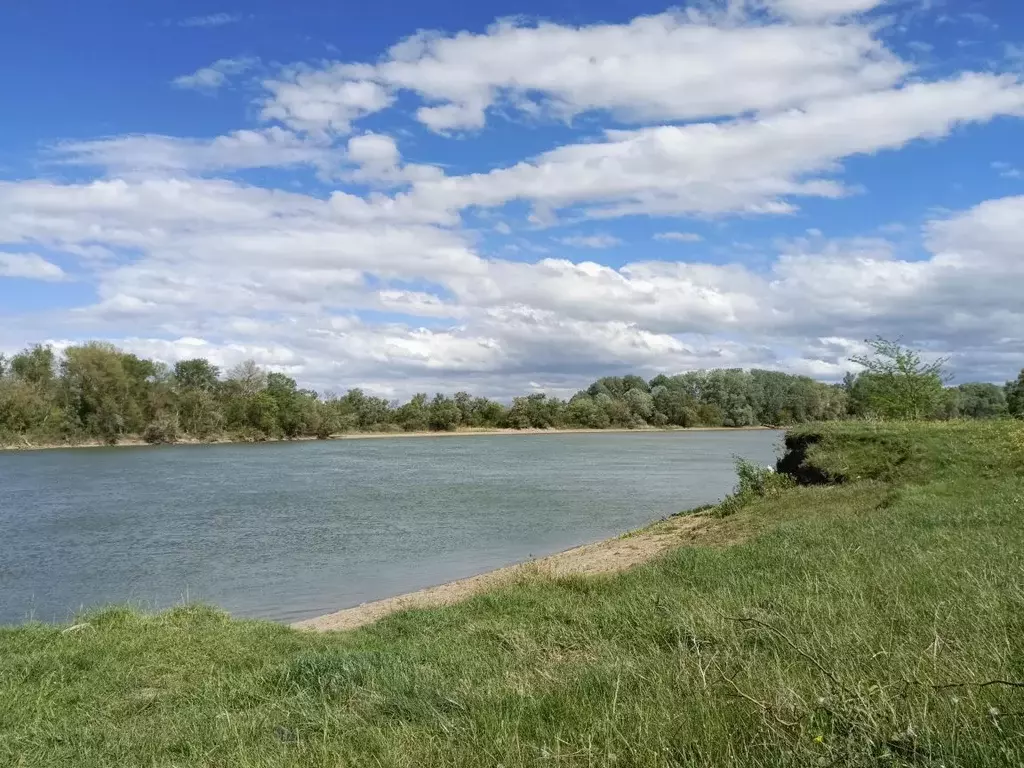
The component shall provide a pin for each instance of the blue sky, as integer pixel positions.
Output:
(514, 195)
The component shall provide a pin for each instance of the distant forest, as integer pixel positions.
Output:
(97, 392)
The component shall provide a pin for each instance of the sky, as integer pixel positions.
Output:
(510, 197)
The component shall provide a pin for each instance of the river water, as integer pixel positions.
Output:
(291, 530)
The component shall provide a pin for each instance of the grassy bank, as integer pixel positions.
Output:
(879, 621)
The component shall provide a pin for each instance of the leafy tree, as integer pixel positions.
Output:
(445, 414)
(898, 383)
(199, 413)
(487, 413)
(96, 390)
(536, 411)
(615, 410)
(102, 389)
(1015, 396)
(640, 405)
(414, 416)
(36, 365)
(980, 401)
(730, 392)
(25, 409)
(675, 404)
(196, 374)
(261, 414)
(293, 412)
(584, 413)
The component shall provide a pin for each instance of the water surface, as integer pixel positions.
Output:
(291, 530)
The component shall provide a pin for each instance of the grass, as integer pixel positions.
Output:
(862, 624)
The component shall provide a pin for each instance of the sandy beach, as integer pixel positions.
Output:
(602, 557)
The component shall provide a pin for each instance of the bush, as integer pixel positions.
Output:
(753, 482)
(161, 430)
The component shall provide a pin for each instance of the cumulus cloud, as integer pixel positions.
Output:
(672, 66)
(211, 251)
(31, 266)
(378, 160)
(323, 100)
(383, 278)
(213, 77)
(753, 165)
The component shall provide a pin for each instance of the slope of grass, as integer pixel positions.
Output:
(875, 623)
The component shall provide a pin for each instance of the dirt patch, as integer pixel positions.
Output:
(609, 556)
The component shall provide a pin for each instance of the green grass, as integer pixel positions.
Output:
(852, 625)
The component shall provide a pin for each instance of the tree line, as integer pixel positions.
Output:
(95, 391)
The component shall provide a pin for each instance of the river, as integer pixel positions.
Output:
(287, 531)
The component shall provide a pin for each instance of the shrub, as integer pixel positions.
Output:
(163, 429)
(753, 482)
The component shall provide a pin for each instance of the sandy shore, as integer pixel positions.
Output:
(137, 442)
(609, 556)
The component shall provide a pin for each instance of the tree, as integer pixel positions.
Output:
(414, 416)
(292, 408)
(196, 374)
(640, 404)
(583, 412)
(247, 378)
(261, 412)
(199, 413)
(675, 404)
(1015, 396)
(105, 389)
(899, 384)
(444, 414)
(730, 391)
(36, 365)
(980, 401)
(536, 411)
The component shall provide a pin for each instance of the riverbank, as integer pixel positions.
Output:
(609, 556)
(138, 442)
(876, 619)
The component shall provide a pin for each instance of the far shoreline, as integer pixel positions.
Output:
(137, 442)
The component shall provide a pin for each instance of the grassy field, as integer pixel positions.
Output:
(877, 622)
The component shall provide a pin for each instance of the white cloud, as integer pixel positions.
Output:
(264, 148)
(216, 75)
(381, 283)
(601, 240)
(327, 100)
(212, 20)
(673, 66)
(31, 266)
(210, 251)
(678, 237)
(378, 161)
(749, 165)
(817, 10)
